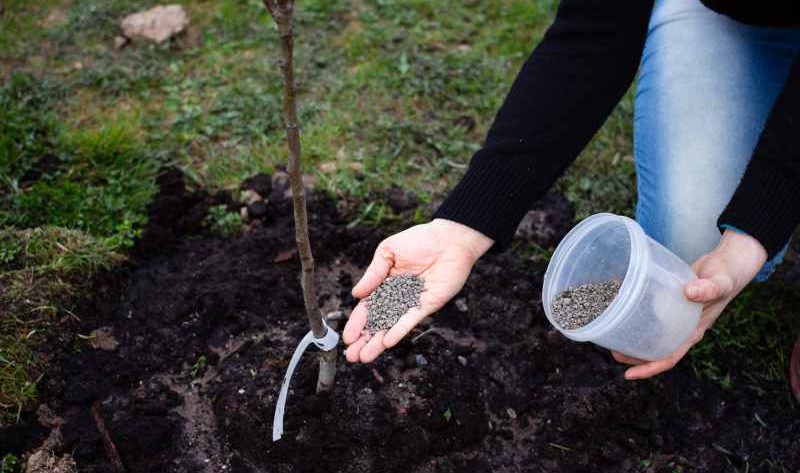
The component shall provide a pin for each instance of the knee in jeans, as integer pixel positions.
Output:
(692, 236)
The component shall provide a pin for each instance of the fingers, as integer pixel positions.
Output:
(366, 349)
(628, 360)
(353, 352)
(363, 347)
(646, 369)
(377, 271)
(428, 304)
(407, 322)
(652, 368)
(355, 324)
(372, 349)
(709, 289)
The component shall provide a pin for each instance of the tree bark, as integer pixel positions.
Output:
(282, 12)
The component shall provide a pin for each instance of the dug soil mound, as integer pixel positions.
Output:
(204, 328)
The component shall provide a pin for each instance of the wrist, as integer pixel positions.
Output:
(467, 238)
(746, 254)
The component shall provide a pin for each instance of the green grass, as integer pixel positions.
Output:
(42, 273)
(71, 200)
(223, 223)
(26, 134)
(750, 343)
(102, 188)
(9, 464)
(89, 22)
(404, 88)
(23, 27)
(392, 93)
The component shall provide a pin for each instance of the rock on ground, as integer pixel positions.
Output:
(157, 24)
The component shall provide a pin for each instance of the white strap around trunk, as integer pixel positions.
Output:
(326, 343)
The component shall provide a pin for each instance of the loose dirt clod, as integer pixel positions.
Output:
(43, 461)
(580, 305)
(391, 300)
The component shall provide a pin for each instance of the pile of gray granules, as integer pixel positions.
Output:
(580, 305)
(391, 300)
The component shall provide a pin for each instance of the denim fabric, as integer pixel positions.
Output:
(707, 84)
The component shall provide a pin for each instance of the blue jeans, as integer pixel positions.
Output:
(707, 84)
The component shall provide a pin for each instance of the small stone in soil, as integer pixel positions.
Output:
(461, 304)
(580, 305)
(393, 298)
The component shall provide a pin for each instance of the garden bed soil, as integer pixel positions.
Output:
(206, 326)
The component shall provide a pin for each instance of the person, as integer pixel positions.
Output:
(715, 147)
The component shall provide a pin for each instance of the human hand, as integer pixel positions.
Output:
(722, 274)
(441, 252)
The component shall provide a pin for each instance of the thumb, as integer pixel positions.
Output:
(709, 289)
(378, 269)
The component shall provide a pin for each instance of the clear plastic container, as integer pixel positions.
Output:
(650, 317)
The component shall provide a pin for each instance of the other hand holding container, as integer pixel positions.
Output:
(650, 317)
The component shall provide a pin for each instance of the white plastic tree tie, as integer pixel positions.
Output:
(326, 343)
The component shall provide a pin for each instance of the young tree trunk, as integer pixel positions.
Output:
(281, 12)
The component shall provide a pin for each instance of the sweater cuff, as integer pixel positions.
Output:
(493, 196)
(764, 206)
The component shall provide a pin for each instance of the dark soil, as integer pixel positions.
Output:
(501, 390)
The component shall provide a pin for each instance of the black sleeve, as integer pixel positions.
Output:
(766, 205)
(561, 97)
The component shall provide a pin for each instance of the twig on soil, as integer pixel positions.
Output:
(723, 450)
(455, 164)
(213, 371)
(426, 332)
(335, 315)
(560, 447)
(794, 370)
(377, 376)
(759, 419)
(108, 444)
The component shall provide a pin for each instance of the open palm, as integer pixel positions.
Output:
(440, 252)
